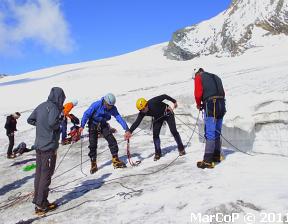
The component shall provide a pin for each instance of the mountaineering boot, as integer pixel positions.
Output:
(157, 145)
(117, 163)
(208, 156)
(180, 145)
(94, 167)
(217, 157)
(209, 151)
(52, 206)
(12, 156)
(181, 152)
(42, 211)
(157, 156)
(65, 141)
(203, 165)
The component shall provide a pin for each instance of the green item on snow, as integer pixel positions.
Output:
(29, 167)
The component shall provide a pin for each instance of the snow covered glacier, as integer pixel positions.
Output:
(170, 190)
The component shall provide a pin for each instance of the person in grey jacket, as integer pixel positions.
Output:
(47, 118)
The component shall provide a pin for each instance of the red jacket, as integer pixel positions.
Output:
(198, 89)
(201, 91)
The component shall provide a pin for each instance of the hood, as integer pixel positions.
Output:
(57, 96)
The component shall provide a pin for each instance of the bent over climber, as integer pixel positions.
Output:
(98, 114)
(66, 114)
(160, 112)
(209, 95)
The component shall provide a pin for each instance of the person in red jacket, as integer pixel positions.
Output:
(210, 96)
(10, 126)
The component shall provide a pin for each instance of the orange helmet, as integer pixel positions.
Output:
(141, 103)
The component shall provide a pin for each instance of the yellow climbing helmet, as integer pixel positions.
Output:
(141, 103)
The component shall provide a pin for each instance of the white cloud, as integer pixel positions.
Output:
(41, 21)
(3, 32)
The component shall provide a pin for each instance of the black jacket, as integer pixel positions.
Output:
(156, 109)
(212, 86)
(10, 124)
(46, 118)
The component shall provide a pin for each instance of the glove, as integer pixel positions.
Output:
(200, 107)
(169, 109)
(80, 130)
(175, 105)
(127, 135)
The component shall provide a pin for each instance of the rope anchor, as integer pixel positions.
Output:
(129, 155)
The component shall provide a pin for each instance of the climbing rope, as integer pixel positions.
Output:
(11, 201)
(81, 163)
(141, 174)
(63, 157)
(235, 147)
(129, 155)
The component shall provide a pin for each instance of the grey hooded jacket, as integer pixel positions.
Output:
(46, 118)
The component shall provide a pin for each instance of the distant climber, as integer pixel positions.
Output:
(97, 116)
(210, 96)
(20, 149)
(10, 126)
(160, 112)
(66, 114)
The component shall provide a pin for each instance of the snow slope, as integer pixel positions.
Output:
(169, 190)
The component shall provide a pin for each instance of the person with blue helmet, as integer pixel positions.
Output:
(97, 116)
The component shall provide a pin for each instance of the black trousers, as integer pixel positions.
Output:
(103, 129)
(45, 166)
(11, 143)
(170, 119)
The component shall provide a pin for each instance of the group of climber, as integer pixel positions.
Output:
(50, 118)
(11, 122)
(101, 111)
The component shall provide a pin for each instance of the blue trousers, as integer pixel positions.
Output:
(64, 129)
(213, 128)
(213, 142)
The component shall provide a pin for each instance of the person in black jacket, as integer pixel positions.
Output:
(47, 118)
(160, 112)
(10, 127)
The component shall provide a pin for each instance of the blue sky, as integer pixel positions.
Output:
(35, 34)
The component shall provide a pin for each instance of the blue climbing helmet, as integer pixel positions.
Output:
(110, 99)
